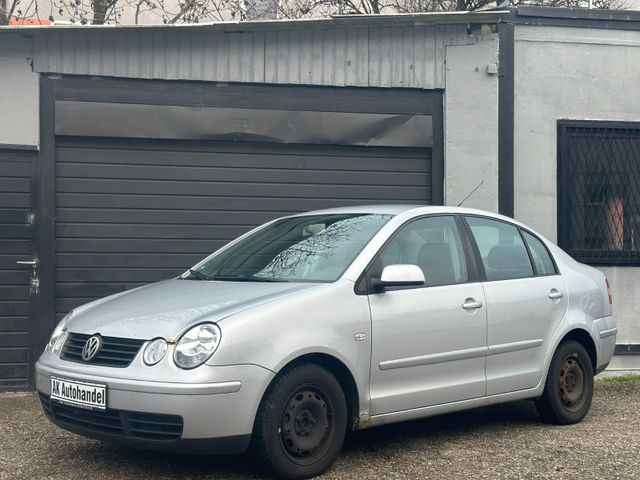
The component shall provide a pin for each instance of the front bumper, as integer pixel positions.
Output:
(217, 416)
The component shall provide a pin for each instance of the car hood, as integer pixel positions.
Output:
(166, 308)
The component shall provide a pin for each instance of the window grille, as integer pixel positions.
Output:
(599, 191)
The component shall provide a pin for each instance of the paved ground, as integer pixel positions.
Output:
(500, 442)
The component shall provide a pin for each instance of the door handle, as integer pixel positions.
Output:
(555, 294)
(471, 304)
(33, 262)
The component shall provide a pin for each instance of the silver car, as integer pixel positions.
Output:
(317, 324)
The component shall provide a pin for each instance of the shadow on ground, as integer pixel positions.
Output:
(366, 445)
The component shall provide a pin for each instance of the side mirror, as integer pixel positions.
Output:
(400, 276)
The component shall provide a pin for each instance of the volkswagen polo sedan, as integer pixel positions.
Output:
(320, 323)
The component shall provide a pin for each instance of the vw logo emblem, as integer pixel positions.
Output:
(91, 348)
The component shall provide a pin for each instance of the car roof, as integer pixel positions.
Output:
(374, 209)
(392, 209)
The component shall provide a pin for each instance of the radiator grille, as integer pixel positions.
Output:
(115, 352)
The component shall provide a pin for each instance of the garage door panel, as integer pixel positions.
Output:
(16, 170)
(80, 245)
(16, 231)
(115, 275)
(14, 323)
(316, 161)
(13, 216)
(131, 260)
(248, 189)
(230, 175)
(7, 261)
(14, 184)
(14, 339)
(239, 207)
(136, 231)
(233, 154)
(18, 166)
(16, 247)
(14, 200)
(18, 355)
(139, 215)
(93, 289)
(14, 277)
(15, 308)
(14, 292)
(14, 373)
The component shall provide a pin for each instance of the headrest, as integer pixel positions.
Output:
(433, 253)
(508, 257)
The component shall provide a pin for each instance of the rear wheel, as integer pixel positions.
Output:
(301, 423)
(568, 390)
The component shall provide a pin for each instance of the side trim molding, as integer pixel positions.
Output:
(434, 358)
(514, 346)
(460, 354)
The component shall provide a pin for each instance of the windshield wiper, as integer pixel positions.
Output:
(195, 274)
(244, 278)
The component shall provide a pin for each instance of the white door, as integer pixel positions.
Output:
(428, 343)
(525, 302)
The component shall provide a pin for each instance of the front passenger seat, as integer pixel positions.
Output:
(436, 263)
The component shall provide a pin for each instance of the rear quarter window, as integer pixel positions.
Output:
(541, 258)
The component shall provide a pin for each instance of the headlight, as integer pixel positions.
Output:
(197, 345)
(154, 351)
(59, 336)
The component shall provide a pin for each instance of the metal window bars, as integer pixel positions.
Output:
(599, 191)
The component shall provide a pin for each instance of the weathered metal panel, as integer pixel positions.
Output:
(379, 56)
(16, 167)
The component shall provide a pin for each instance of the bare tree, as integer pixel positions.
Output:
(17, 8)
(194, 11)
(605, 4)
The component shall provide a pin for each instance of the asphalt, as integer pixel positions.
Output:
(499, 442)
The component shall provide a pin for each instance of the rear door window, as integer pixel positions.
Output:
(503, 252)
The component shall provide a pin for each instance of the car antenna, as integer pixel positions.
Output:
(472, 192)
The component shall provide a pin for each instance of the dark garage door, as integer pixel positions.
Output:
(15, 244)
(151, 176)
(129, 212)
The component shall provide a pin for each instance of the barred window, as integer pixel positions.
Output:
(599, 191)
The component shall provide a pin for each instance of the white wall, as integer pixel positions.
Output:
(579, 74)
(18, 93)
(471, 124)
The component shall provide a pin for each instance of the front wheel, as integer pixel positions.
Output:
(568, 389)
(301, 423)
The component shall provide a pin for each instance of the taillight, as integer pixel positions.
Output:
(606, 282)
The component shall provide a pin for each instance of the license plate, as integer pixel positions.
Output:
(79, 394)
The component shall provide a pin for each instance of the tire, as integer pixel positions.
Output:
(568, 390)
(301, 423)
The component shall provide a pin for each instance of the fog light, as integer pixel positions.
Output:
(154, 351)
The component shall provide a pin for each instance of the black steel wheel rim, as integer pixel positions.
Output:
(307, 424)
(572, 383)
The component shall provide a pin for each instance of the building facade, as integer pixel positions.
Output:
(128, 153)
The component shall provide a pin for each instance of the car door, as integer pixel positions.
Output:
(428, 342)
(525, 302)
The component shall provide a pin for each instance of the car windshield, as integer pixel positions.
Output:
(310, 248)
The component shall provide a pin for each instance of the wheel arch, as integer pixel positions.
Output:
(338, 369)
(583, 337)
